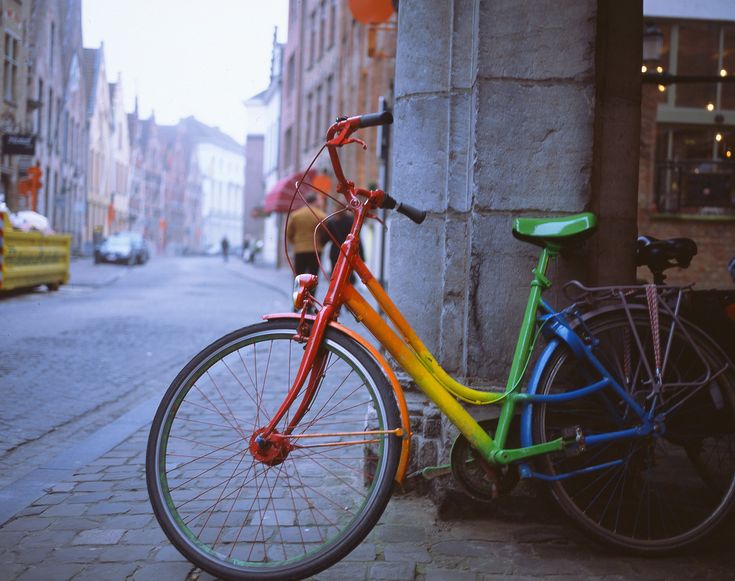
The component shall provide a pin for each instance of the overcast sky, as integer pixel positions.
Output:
(187, 57)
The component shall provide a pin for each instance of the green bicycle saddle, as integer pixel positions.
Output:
(560, 231)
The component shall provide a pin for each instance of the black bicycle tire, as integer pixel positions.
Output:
(360, 527)
(558, 492)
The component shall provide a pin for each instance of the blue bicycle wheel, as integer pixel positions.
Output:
(655, 493)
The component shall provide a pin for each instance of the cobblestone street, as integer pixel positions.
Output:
(80, 392)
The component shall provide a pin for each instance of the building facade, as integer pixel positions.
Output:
(16, 100)
(47, 86)
(220, 163)
(687, 172)
(146, 180)
(100, 165)
(105, 171)
(57, 112)
(333, 66)
(263, 140)
(71, 199)
(120, 163)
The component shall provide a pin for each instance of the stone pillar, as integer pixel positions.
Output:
(507, 108)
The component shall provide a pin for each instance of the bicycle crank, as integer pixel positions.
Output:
(479, 478)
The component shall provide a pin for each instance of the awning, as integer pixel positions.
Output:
(278, 199)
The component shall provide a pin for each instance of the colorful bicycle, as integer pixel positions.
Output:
(276, 449)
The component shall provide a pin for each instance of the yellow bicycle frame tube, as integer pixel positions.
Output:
(410, 352)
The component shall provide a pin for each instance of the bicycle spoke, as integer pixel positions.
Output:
(235, 507)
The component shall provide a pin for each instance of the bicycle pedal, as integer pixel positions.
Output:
(431, 472)
(574, 442)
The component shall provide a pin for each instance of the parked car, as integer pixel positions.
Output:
(125, 248)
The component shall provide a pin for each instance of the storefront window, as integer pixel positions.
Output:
(692, 143)
(663, 65)
(695, 171)
(728, 68)
(698, 54)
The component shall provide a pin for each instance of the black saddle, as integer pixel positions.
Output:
(658, 255)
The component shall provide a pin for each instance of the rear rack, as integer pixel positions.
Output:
(647, 355)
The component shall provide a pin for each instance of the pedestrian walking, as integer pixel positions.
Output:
(300, 234)
(225, 248)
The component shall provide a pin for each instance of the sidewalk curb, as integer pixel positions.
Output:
(259, 281)
(33, 485)
(93, 279)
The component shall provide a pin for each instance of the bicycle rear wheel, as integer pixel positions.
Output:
(661, 492)
(240, 518)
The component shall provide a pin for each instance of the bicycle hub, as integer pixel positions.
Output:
(270, 450)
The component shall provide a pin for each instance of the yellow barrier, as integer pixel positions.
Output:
(28, 259)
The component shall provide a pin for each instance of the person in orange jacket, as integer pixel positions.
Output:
(300, 234)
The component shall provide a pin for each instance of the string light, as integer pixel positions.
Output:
(728, 154)
(661, 88)
(644, 69)
(659, 69)
(718, 137)
(723, 72)
(710, 107)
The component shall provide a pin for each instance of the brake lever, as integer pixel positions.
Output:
(356, 140)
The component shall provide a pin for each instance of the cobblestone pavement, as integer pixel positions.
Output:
(98, 524)
(91, 518)
(95, 349)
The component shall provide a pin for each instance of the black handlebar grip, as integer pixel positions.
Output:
(373, 119)
(414, 214)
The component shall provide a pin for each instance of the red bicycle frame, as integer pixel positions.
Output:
(361, 202)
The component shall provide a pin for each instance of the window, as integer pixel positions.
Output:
(309, 113)
(322, 27)
(728, 67)
(65, 151)
(51, 42)
(10, 80)
(290, 75)
(328, 112)
(332, 23)
(695, 173)
(50, 120)
(57, 126)
(699, 47)
(318, 117)
(287, 147)
(39, 111)
(291, 10)
(312, 38)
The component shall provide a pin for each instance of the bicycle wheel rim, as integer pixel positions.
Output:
(295, 517)
(671, 489)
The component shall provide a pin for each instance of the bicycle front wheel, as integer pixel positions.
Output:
(654, 493)
(239, 517)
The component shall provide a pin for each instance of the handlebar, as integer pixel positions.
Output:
(414, 214)
(374, 119)
(339, 134)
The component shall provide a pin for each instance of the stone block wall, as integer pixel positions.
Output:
(506, 108)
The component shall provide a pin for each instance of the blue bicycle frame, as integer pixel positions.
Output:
(555, 327)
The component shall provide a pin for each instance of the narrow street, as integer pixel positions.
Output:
(82, 370)
(114, 337)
